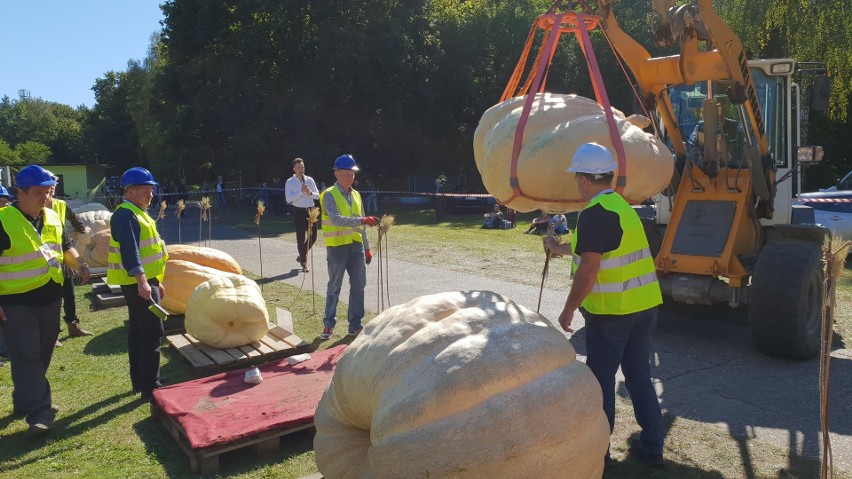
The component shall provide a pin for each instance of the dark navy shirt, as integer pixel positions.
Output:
(125, 228)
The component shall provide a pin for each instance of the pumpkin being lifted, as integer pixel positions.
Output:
(465, 384)
(227, 312)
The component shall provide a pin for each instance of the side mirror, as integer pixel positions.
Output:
(809, 155)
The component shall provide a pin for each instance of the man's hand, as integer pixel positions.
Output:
(144, 290)
(368, 256)
(565, 319)
(369, 221)
(84, 273)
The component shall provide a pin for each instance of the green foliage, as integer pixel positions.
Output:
(58, 127)
(33, 153)
(8, 156)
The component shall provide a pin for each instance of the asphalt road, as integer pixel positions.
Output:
(706, 368)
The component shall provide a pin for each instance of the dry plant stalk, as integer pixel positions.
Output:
(260, 210)
(163, 206)
(203, 206)
(313, 217)
(181, 205)
(385, 224)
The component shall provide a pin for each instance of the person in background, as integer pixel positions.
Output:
(33, 245)
(137, 262)
(69, 300)
(372, 205)
(493, 219)
(220, 193)
(300, 191)
(615, 287)
(539, 225)
(347, 246)
(558, 224)
(6, 198)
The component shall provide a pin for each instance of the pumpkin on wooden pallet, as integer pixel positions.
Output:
(463, 381)
(227, 312)
(96, 251)
(210, 257)
(181, 279)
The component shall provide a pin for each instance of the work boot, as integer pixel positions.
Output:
(75, 331)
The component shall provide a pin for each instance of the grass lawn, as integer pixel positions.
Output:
(103, 431)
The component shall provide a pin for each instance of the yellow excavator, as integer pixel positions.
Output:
(725, 230)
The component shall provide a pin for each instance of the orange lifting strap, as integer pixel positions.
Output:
(579, 24)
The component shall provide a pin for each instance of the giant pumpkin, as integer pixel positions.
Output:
(556, 127)
(227, 312)
(181, 279)
(96, 250)
(210, 257)
(463, 385)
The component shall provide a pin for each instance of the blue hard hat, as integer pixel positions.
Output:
(345, 162)
(137, 176)
(33, 175)
(5, 193)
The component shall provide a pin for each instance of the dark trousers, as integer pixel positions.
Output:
(300, 219)
(626, 341)
(144, 335)
(69, 302)
(30, 334)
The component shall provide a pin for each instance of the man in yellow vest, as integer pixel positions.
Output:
(615, 287)
(33, 248)
(137, 262)
(347, 247)
(69, 300)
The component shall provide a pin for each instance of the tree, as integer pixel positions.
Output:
(33, 153)
(8, 156)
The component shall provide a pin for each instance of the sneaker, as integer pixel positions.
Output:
(650, 459)
(40, 427)
(356, 332)
(58, 344)
(326, 333)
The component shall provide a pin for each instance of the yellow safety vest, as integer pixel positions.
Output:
(59, 207)
(152, 250)
(341, 235)
(627, 279)
(33, 259)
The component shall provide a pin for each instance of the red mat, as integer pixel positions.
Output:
(222, 409)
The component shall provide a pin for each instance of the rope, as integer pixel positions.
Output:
(832, 267)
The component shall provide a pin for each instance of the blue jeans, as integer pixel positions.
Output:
(626, 340)
(350, 259)
(222, 203)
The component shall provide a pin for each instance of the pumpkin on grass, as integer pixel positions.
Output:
(180, 280)
(464, 384)
(227, 312)
(204, 256)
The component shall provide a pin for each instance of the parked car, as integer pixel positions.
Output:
(832, 207)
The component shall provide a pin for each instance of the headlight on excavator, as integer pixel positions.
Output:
(781, 68)
(808, 154)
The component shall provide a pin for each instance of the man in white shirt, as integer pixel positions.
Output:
(300, 191)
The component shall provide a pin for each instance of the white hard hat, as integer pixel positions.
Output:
(55, 178)
(592, 158)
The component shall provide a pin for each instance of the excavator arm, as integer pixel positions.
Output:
(691, 24)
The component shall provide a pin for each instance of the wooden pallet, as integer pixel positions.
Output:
(278, 343)
(206, 460)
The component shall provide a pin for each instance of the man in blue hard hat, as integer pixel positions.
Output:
(347, 247)
(33, 246)
(137, 262)
(615, 288)
(6, 198)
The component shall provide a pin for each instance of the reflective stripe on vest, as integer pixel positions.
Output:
(25, 265)
(627, 280)
(340, 235)
(152, 250)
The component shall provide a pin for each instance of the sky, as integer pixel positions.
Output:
(56, 49)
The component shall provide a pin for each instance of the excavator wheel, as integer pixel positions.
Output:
(786, 298)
